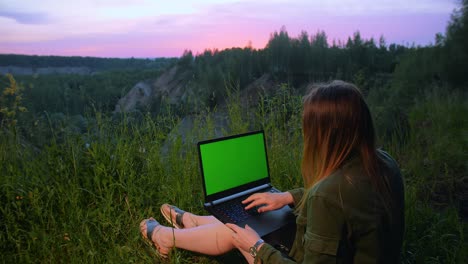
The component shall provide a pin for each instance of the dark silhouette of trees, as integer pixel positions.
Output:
(456, 47)
(278, 49)
(95, 64)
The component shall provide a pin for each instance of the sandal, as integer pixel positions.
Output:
(167, 215)
(151, 224)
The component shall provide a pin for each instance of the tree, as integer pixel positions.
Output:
(300, 56)
(10, 103)
(456, 60)
(319, 48)
(187, 59)
(279, 51)
(382, 43)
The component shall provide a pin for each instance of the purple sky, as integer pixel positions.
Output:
(155, 28)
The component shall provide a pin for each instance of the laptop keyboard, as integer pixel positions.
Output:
(233, 211)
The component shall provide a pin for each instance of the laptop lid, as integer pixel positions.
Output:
(233, 164)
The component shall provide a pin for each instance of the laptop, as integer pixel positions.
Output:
(232, 169)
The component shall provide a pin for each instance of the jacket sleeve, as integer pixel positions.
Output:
(324, 226)
(269, 254)
(297, 194)
(321, 240)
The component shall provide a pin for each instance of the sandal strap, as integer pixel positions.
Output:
(150, 225)
(179, 214)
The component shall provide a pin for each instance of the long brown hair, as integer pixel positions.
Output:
(337, 124)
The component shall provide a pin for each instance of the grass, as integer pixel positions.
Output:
(434, 162)
(81, 197)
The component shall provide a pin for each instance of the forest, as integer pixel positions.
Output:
(77, 176)
(76, 61)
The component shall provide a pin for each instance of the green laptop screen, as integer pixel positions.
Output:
(233, 162)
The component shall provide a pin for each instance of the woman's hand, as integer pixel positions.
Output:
(243, 238)
(268, 201)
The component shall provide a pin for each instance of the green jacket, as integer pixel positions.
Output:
(343, 221)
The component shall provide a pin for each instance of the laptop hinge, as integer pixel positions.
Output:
(230, 197)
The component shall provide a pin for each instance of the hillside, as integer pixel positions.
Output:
(173, 87)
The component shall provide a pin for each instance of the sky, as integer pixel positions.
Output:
(165, 28)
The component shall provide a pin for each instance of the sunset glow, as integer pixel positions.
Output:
(154, 28)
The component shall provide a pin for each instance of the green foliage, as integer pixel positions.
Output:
(74, 94)
(456, 47)
(432, 236)
(81, 200)
(237, 122)
(11, 103)
(434, 156)
(433, 161)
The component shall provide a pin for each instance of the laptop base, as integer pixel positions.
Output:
(283, 238)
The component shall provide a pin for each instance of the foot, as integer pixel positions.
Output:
(161, 236)
(177, 217)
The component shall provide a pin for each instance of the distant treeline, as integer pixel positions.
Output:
(295, 60)
(94, 63)
(311, 58)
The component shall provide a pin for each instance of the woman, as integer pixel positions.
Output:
(351, 209)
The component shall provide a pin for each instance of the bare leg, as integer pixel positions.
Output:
(189, 219)
(203, 219)
(210, 239)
